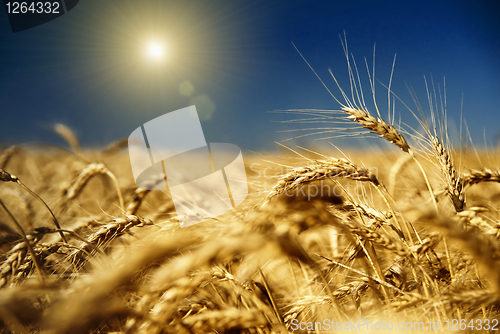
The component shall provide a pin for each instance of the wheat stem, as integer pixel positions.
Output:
(26, 241)
(7, 177)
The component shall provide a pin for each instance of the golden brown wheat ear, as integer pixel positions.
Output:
(320, 170)
(485, 175)
(377, 126)
(85, 175)
(15, 259)
(357, 111)
(68, 135)
(7, 155)
(105, 235)
(454, 183)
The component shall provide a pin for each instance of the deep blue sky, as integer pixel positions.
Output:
(85, 69)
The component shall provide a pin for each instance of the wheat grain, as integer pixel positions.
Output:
(169, 284)
(485, 249)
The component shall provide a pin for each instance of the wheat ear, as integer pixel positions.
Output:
(377, 126)
(7, 155)
(388, 132)
(86, 174)
(358, 113)
(106, 234)
(453, 181)
(477, 176)
(320, 170)
(26, 241)
(68, 135)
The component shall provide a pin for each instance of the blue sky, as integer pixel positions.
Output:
(87, 69)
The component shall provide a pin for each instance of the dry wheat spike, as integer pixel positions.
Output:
(321, 170)
(485, 175)
(454, 183)
(85, 175)
(377, 126)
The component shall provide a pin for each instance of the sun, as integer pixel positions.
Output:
(156, 51)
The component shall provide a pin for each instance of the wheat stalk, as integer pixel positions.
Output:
(396, 168)
(140, 193)
(116, 146)
(376, 237)
(7, 177)
(137, 198)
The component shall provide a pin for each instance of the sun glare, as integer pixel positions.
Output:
(156, 51)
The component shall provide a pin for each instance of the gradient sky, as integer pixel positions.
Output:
(87, 68)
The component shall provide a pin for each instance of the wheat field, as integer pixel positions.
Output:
(325, 240)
